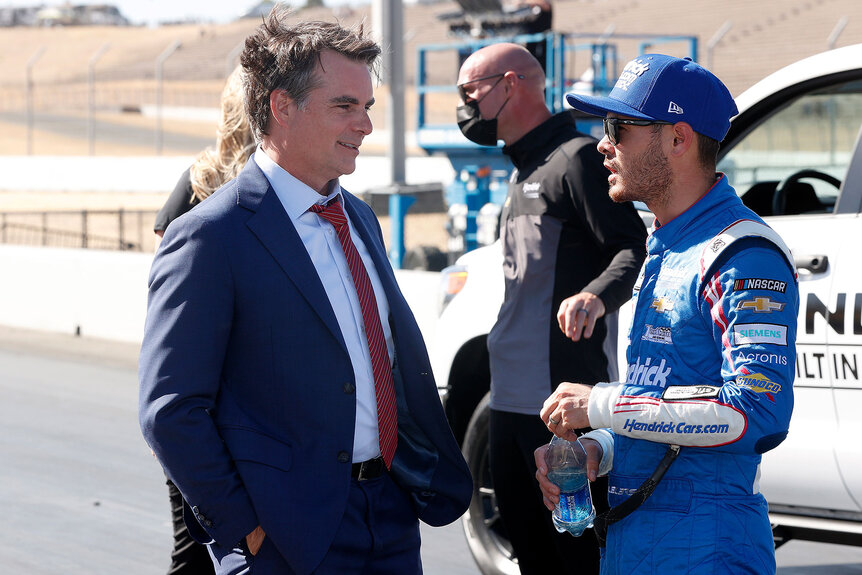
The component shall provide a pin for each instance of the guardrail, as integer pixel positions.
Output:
(118, 230)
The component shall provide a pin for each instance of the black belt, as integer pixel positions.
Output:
(369, 469)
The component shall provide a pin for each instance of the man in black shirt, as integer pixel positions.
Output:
(571, 257)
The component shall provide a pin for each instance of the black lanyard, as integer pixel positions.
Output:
(614, 514)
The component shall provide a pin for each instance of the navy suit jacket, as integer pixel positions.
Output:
(247, 391)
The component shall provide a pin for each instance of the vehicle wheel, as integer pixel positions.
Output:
(486, 536)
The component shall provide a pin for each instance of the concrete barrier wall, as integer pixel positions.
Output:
(103, 294)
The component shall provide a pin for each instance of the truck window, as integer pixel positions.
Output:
(795, 160)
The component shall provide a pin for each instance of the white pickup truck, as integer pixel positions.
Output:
(795, 157)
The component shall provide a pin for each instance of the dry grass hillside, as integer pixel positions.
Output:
(64, 117)
(764, 37)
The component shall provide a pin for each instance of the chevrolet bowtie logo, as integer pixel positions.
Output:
(761, 305)
(661, 305)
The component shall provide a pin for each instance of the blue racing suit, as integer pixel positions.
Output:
(710, 368)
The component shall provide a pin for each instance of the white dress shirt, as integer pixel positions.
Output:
(324, 248)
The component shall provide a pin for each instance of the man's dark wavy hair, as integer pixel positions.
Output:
(284, 56)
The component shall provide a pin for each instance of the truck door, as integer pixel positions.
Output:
(845, 341)
(788, 158)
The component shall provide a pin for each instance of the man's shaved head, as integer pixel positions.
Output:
(499, 58)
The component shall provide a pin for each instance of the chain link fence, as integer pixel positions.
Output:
(121, 230)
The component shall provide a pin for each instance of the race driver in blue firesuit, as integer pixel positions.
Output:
(711, 345)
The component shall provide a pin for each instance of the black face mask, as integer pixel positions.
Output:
(474, 128)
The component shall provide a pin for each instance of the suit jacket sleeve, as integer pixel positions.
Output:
(187, 328)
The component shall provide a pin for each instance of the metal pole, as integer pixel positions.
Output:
(713, 42)
(393, 68)
(160, 64)
(30, 63)
(91, 96)
(839, 28)
(84, 228)
(121, 229)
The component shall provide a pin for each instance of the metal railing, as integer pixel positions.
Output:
(122, 230)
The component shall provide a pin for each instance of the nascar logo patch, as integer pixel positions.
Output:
(760, 283)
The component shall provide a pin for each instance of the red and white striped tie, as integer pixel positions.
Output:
(387, 417)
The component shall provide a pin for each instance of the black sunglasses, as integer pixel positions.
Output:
(462, 90)
(612, 130)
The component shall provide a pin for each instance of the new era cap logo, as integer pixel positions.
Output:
(674, 108)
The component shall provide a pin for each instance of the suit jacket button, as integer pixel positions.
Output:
(349, 388)
(343, 457)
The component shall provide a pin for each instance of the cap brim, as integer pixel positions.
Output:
(601, 105)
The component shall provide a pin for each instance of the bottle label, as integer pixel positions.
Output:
(576, 506)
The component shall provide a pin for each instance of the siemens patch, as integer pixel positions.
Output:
(744, 333)
(760, 283)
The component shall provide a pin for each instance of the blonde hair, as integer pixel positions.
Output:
(234, 143)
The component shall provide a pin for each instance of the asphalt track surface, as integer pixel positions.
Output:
(81, 494)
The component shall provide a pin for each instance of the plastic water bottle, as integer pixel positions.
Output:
(567, 469)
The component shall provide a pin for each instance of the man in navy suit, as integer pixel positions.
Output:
(285, 386)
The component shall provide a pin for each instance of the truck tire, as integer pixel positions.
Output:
(485, 533)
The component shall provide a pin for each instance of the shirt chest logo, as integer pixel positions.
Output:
(532, 190)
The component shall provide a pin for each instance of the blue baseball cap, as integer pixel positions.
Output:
(666, 89)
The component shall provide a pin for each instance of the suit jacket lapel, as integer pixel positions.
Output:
(272, 226)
